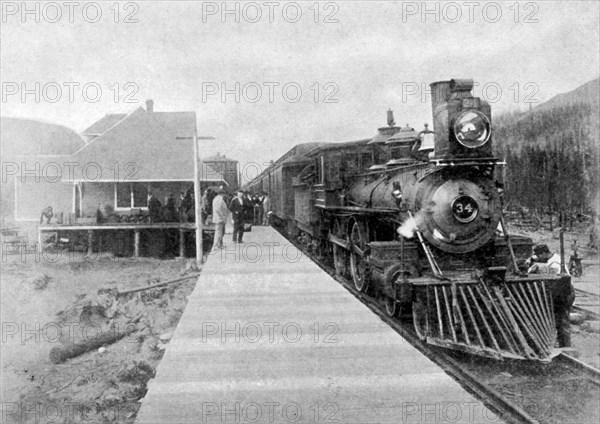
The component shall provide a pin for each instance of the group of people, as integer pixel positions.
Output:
(173, 211)
(244, 208)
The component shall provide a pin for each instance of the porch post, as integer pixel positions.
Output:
(90, 250)
(181, 243)
(136, 243)
(197, 197)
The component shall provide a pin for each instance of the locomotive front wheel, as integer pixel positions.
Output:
(358, 267)
(400, 276)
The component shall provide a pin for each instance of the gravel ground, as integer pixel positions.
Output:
(47, 305)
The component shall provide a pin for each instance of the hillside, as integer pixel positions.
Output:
(552, 152)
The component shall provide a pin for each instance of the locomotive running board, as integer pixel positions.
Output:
(511, 319)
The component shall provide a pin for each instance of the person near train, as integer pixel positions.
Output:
(203, 202)
(46, 213)
(544, 262)
(170, 210)
(248, 208)
(210, 196)
(154, 208)
(266, 208)
(185, 204)
(256, 201)
(219, 218)
(563, 294)
(238, 208)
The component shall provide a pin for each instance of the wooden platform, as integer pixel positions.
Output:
(268, 337)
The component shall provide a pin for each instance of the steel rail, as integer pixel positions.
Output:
(590, 372)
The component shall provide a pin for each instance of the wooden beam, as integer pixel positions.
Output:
(84, 227)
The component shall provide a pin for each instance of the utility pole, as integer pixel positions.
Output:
(197, 197)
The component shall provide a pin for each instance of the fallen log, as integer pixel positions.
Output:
(62, 353)
(153, 286)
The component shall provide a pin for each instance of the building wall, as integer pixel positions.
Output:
(102, 194)
(7, 201)
(96, 195)
(32, 196)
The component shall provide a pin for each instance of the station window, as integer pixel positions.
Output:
(131, 195)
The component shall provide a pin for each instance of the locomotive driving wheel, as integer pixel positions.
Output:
(358, 266)
(340, 256)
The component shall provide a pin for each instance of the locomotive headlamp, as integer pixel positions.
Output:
(472, 129)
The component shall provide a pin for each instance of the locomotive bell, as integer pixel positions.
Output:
(427, 139)
(462, 122)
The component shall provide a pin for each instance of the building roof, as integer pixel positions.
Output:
(182, 124)
(102, 125)
(35, 138)
(143, 146)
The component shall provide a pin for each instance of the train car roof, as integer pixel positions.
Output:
(338, 146)
(303, 152)
(296, 154)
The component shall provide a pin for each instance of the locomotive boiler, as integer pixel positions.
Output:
(416, 218)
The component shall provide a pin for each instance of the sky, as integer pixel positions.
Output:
(264, 76)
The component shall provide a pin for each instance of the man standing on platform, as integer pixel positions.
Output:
(266, 208)
(220, 212)
(237, 211)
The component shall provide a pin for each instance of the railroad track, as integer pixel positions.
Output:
(586, 303)
(479, 375)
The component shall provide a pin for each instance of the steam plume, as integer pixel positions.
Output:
(411, 225)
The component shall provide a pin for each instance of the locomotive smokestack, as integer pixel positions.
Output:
(440, 94)
(443, 91)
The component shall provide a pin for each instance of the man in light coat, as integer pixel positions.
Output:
(266, 208)
(220, 212)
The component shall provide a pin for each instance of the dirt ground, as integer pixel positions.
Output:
(49, 305)
(54, 303)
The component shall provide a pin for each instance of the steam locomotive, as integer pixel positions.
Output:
(416, 218)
